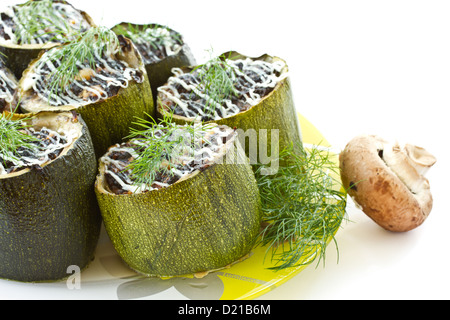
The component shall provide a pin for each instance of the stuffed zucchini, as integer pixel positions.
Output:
(251, 94)
(101, 76)
(49, 216)
(27, 28)
(178, 200)
(161, 48)
(8, 86)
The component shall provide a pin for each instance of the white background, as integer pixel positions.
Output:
(380, 67)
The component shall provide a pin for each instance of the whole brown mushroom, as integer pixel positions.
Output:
(387, 181)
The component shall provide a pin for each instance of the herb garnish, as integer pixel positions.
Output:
(13, 136)
(39, 19)
(161, 143)
(217, 80)
(303, 207)
(89, 47)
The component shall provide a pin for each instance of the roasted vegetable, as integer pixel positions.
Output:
(198, 209)
(161, 48)
(28, 28)
(101, 76)
(49, 216)
(251, 94)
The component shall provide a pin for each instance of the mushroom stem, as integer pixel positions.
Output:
(398, 160)
(410, 164)
(420, 158)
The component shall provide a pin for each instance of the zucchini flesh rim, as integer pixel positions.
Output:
(64, 125)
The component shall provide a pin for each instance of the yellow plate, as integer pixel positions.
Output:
(107, 277)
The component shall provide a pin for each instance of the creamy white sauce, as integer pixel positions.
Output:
(184, 154)
(109, 72)
(7, 86)
(266, 71)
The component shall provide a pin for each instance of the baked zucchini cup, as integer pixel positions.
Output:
(49, 216)
(196, 209)
(161, 48)
(101, 76)
(28, 28)
(251, 94)
(8, 86)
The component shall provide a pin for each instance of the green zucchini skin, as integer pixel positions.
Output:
(160, 71)
(200, 224)
(17, 58)
(276, 111)
(49, 219)
(110, 120)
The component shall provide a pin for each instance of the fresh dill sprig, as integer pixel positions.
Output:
(87, 49)
(216, 80)
(36, 19)
(13, 136)
(303, 207)
(160, 145)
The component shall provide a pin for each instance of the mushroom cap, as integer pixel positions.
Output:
(387, 181)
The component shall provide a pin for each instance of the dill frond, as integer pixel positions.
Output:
(217, 80)
(13, 137)
(160, 143)
(303, 207)
(89, 47)
(39, 19)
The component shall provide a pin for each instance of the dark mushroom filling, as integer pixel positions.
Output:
(154, 43)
